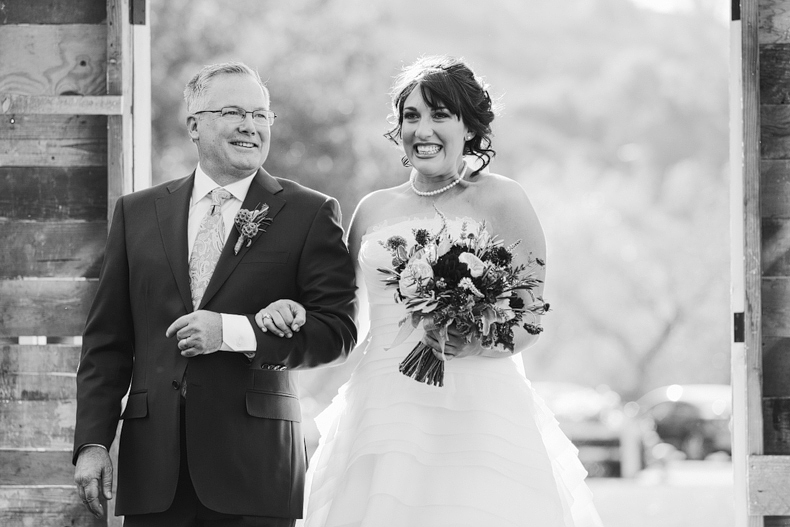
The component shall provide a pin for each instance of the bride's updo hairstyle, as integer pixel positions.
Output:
(447, 81)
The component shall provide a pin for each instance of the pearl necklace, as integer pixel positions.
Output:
(445, 188)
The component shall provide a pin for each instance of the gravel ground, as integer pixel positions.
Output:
(684, 494)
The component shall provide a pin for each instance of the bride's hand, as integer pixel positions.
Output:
(281, 317)
(454, 347)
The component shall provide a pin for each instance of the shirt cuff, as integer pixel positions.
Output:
(238, 335)
(86, 445)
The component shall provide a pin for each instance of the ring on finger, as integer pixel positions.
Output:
(266, 316)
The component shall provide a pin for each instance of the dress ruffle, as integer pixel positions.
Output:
(482, 450)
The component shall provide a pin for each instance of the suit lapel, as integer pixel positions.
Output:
(172, 211)
(262, 191)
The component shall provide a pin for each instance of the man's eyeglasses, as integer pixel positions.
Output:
(235, 115)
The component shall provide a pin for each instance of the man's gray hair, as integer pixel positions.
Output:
(195, 90)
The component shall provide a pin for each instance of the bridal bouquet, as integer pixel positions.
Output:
(469, 281)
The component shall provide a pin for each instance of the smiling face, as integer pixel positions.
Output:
(230, 151)
(433, 138)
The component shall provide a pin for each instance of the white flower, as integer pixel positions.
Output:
(445, 244)
(503, 309)
(466, 283)
(475, 264)
(414, 275)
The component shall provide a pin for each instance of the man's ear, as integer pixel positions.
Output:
(192, 128)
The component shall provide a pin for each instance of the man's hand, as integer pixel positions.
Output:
(94, 469)
(282, 317)
(198, 333)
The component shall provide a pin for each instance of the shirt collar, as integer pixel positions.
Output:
(204, 185)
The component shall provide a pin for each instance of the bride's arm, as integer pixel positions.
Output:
(360, 221)
(514, 218)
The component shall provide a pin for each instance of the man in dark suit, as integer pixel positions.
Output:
(211, 429)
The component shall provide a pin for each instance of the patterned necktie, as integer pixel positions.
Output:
(208, 246)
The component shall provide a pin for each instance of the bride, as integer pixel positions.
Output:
(481, 450)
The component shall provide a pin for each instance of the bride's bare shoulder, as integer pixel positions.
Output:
(377, 206)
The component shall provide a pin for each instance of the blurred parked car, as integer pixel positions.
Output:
(592, 419)
(693, 418)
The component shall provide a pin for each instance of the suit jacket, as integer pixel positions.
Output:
(245, 447)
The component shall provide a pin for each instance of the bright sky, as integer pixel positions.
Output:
(721, 8)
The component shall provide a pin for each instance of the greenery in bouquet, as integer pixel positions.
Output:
(470, 282)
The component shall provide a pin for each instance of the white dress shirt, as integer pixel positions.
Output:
(237, 333)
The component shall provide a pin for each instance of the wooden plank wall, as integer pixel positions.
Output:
(53, 224)
(768, 474)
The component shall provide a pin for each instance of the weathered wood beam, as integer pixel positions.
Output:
(775, 182)
(53, 193)
(54, 12)
(52, 249)
(32, 466)
(774, 22)
(37, 424)
(44, 307)
(53, 140)
(54, 61)
(775, 131)
(769, 479)
(12, 104)
(46, 505)
(775, 74)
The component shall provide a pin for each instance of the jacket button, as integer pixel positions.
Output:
(176, 385)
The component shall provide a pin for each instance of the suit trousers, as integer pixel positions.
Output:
(186, 509)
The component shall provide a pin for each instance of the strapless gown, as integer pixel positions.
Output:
(483, 450)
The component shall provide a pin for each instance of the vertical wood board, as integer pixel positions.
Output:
(53, 60)
(120, 138)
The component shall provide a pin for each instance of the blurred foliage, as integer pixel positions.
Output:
(614, 119)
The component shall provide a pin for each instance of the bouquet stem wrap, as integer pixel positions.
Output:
(422, 365)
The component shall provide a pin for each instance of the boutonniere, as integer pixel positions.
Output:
(250, 223)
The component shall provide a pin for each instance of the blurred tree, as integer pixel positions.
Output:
(614, 120)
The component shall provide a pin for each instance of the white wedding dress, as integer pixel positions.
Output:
(483, 450)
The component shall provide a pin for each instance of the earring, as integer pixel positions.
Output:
(469, 137)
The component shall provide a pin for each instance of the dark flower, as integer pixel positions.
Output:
(422, 237)
(533, 329)
(500, 256)
(449, 267)
(516, 302)
(393, 242)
